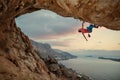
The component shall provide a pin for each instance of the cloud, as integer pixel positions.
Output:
(99, 42)
(47, 25)
(60, 44)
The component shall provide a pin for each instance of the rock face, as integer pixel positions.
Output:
(18, 59)
(61, 70)
(104, 13)
(101, 12)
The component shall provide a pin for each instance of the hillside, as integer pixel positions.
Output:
(45, 50)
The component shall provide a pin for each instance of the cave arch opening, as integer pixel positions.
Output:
(48, 27)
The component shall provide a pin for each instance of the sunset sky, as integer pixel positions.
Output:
(61, 32)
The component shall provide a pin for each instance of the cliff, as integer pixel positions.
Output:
(45, 50)
(18, 60)
(104, 13)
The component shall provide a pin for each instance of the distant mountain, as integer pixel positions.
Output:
(45, 50)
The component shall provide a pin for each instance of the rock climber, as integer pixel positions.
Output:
(88, 29)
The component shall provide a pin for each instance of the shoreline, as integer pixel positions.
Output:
(82, 76)
(61, 70)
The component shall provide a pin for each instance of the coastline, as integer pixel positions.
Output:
(94, 68)
(80, 75)
(61, 70)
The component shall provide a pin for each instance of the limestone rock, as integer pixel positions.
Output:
(54, 67)
(101, 12)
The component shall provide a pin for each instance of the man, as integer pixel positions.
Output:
(88, 29)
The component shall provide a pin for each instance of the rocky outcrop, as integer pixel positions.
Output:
(104, 13)
(19, 61)
(61, 70)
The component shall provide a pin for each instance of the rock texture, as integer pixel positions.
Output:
(61, 70)
(18, 60)
(101, 12)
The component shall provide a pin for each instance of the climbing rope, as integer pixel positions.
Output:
(82, 32)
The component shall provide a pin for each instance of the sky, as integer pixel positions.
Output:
(62, 32)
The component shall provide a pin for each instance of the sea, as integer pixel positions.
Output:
(96, 69)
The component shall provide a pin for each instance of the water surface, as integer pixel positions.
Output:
(97, 69)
